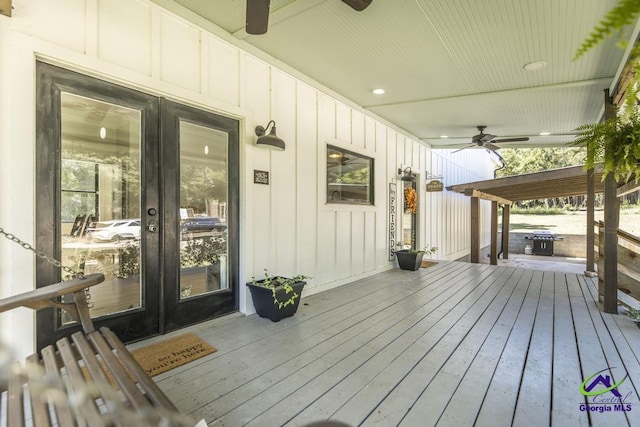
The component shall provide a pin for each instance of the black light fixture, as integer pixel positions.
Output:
(270, 141)
(406, 174)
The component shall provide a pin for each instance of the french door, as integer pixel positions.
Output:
(142, 190)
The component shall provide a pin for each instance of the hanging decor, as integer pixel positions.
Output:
(392, 220)
(410, 200)
(435, 185)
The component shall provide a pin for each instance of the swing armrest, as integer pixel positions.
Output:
(46, 296)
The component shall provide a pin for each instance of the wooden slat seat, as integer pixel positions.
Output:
(88, 378)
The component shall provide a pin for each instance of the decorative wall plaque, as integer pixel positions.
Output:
(392, 220)
(260, 177)
(435, 185)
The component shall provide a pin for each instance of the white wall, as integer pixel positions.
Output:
(286, 227)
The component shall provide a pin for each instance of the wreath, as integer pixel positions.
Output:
(410, 200)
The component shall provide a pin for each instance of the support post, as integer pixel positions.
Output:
(591, 194)
(611, 220)
(494, 233)
(475, 230)
(5, 8)
(506, 211)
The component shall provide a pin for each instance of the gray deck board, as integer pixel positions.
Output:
(455, 344)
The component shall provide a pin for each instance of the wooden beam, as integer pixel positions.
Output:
(627, 188)
(506, 210)
(486, 196)
(493, 259)
(611, 220)
(591, 258)
(5, 8)
(475, 230)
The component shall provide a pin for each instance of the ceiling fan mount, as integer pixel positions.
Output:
(488, 141)
(257, 14)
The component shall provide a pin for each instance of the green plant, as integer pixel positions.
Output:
(624, 13)
(634, 314)
(202, 251)
(276, 282)
(616, 141)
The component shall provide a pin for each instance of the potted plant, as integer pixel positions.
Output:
(411, 259)
(615, 142)
(276, 297)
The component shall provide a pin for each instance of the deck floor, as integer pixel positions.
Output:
(455, 344)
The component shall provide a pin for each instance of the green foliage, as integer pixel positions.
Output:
(615, 143)
(202, 251)
(624, 13)
(634, 314)
(519, 161)
(538, 210)
(358, 176)
(278, 282)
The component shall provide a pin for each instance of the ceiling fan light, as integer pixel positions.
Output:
(535, 66)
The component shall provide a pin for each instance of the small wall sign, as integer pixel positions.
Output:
(435, 185)
(260, 177)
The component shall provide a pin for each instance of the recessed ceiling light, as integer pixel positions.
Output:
(535, 66)
(103, 132)
(444, 136)
(378, 91)
(544, 133)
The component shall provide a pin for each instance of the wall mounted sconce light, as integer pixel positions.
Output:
(270, 141)
(406, 174)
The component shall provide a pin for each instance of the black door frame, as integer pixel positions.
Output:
(184, 312)
(156, 161)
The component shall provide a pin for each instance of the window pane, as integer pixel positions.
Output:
(349, 177)
(100, 199)
(203, 210)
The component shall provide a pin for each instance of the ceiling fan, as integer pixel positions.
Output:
(257, 15)
(488, 141)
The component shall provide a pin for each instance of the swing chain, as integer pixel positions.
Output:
(39, 254)
(74, 274)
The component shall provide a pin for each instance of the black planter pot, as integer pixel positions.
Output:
(409, 260)
(267, 308)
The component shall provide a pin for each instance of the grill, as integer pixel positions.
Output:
(543, 242)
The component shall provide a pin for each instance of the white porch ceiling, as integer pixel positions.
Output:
(446, 65)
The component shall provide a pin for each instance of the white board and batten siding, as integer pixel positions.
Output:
(287, 226)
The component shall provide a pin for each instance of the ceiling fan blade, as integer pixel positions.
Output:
(491, 146)
(257, 17)
(460, 149)
(486, 137)
(358, 5)
(524, 138)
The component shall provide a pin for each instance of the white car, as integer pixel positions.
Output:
(116, 229)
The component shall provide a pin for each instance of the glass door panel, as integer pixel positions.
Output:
(203, 210)
(201, 215)
(100, 199)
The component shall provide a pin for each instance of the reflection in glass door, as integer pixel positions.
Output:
(100, 199)
(200, 201)
(97, 180)
(203, 210)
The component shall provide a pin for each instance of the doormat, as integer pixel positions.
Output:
(163, 356)
(427, 264)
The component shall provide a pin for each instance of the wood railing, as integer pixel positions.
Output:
(628, 266)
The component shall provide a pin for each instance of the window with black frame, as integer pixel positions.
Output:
(349, 177)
